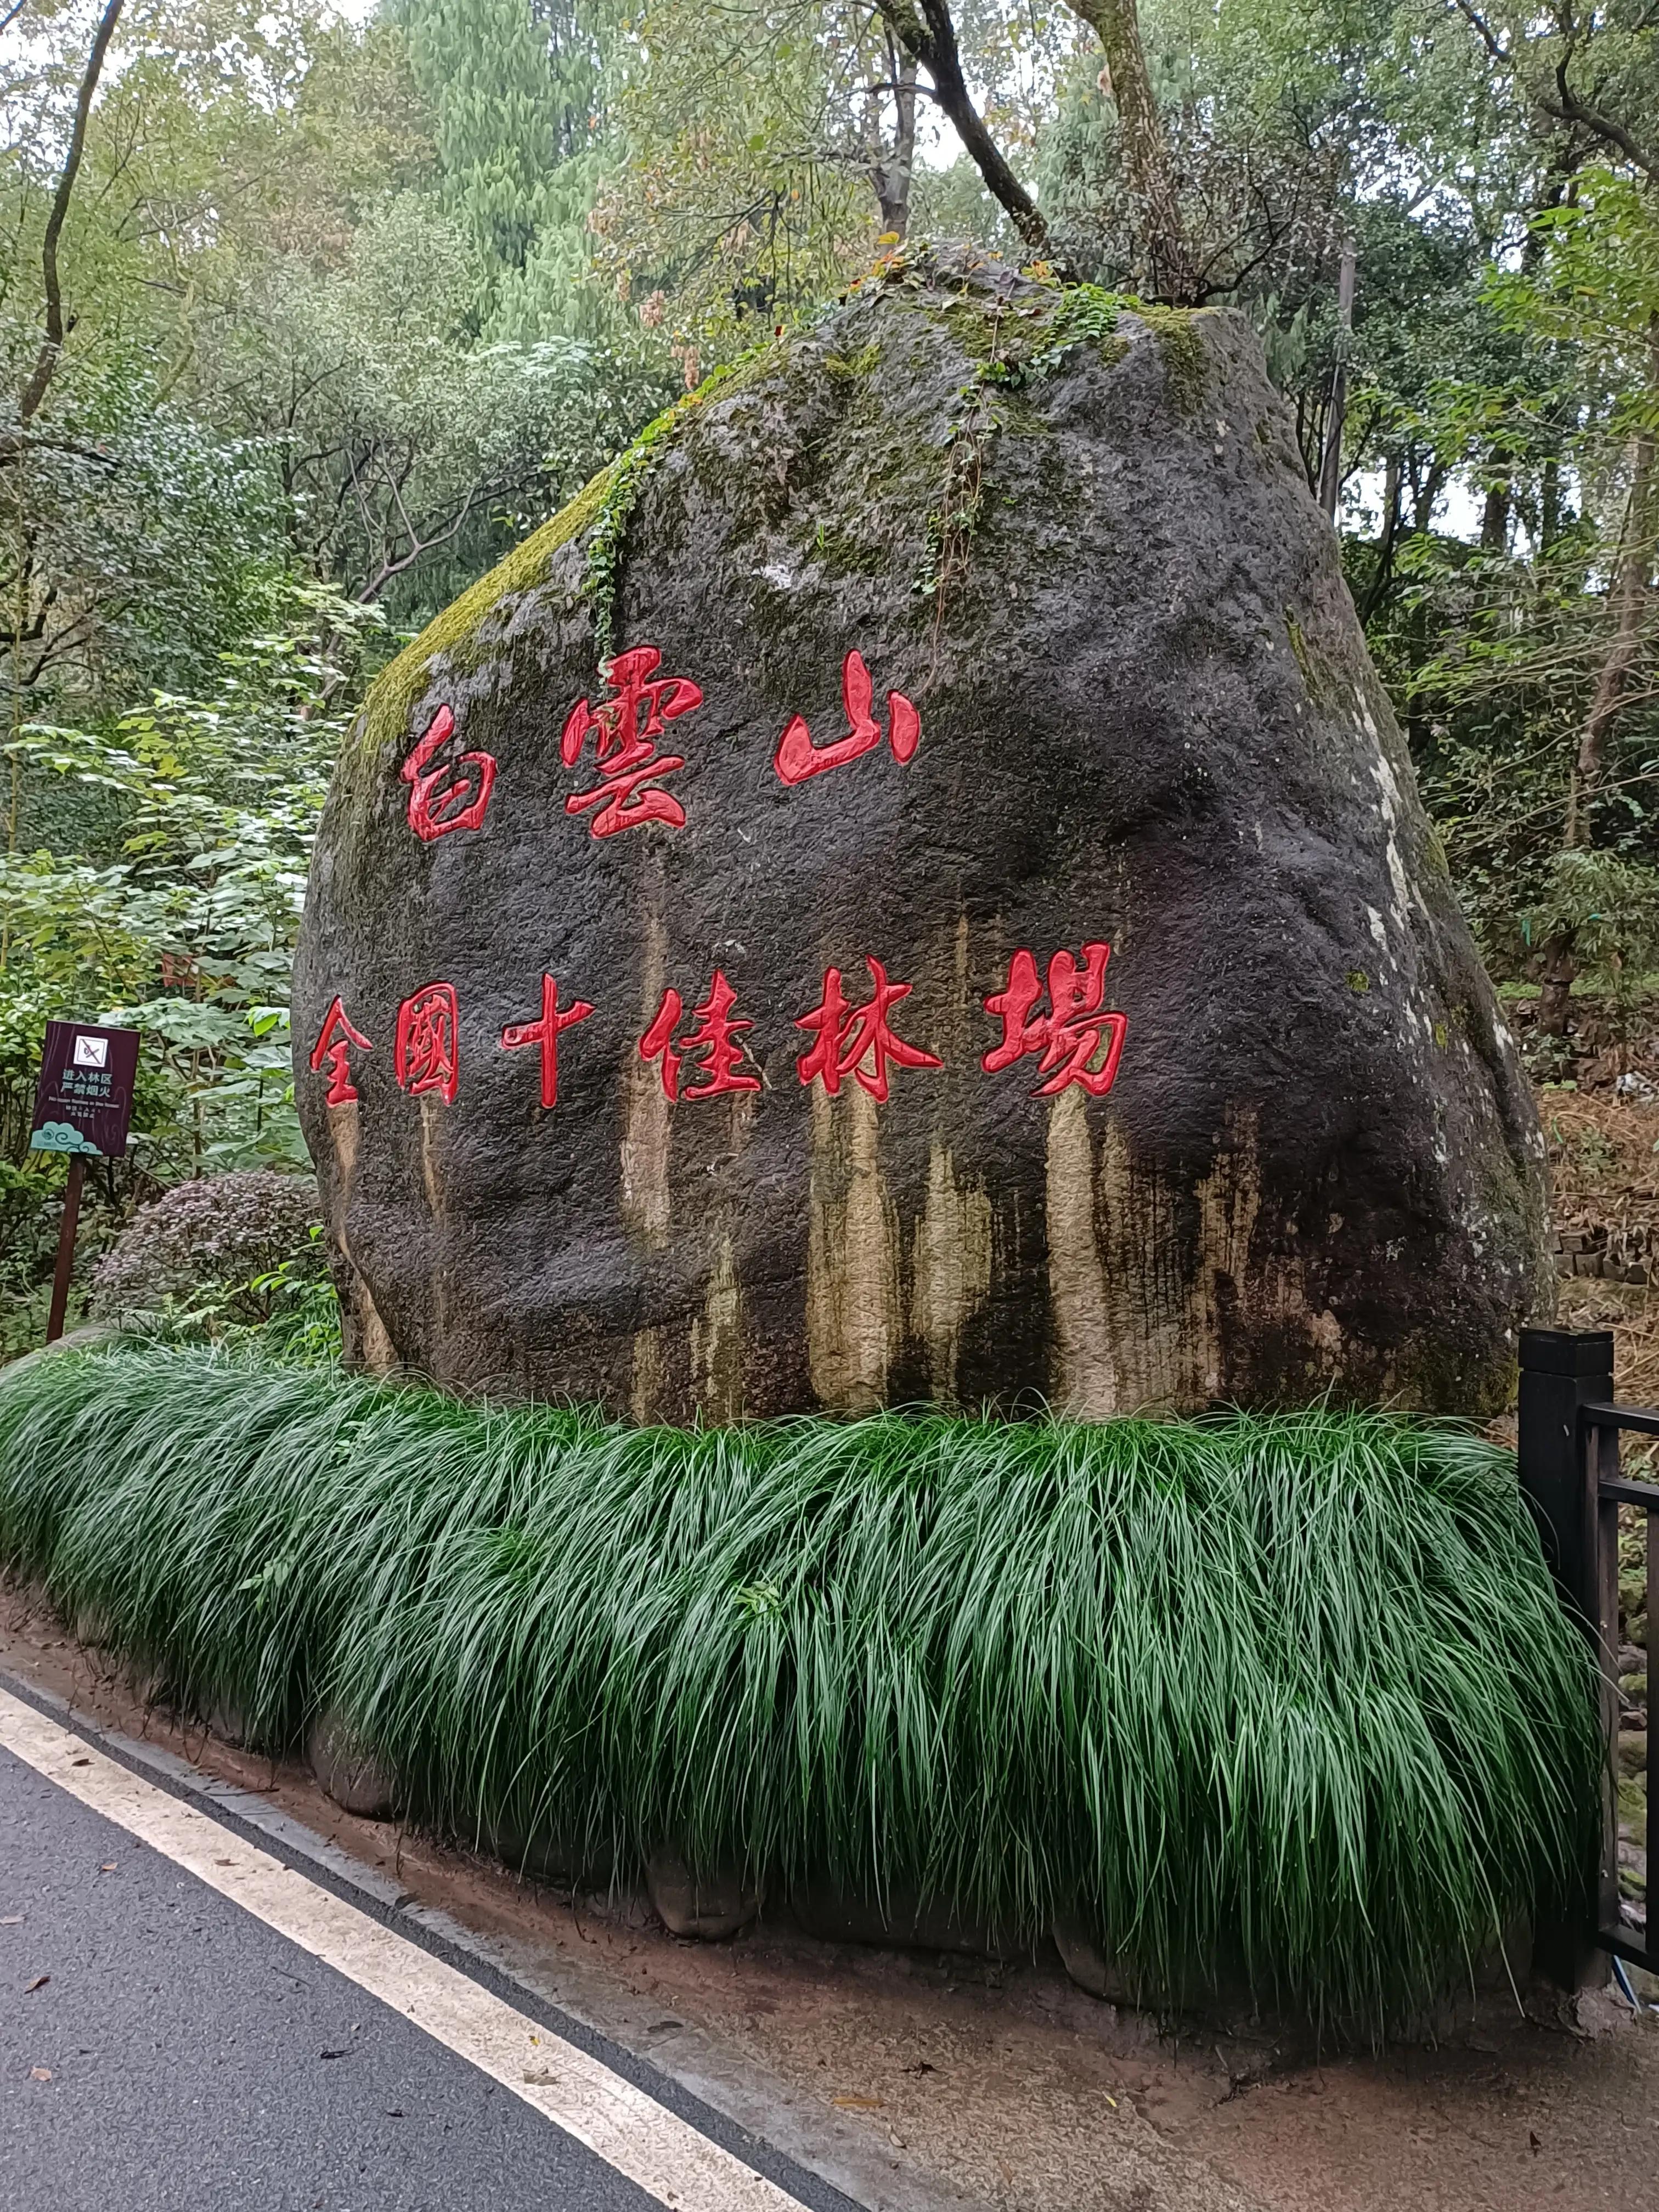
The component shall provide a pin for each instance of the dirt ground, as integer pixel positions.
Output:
(1008, 2084)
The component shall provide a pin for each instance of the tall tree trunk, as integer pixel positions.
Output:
(925, 30)
(1168, 273)
(1330, 474)
(1556, 969)
(1627, 603)
(1628, 596)
(1495, 517)
(1382, 574)
(1549, 507)
(892, 172)
(1423, 496)
(52, 344)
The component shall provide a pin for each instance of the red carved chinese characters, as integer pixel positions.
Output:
(1073, 1032)
(796, 757)
(626, 727)
(712, 1042)
(857, 1040)
(442, 798)
(428, 1055)
(333, 1048)
(545, 1033)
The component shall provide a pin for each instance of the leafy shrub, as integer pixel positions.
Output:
(298, 1321)
(1609, 908)
(248, 1234)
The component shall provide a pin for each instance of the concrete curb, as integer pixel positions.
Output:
(828, 2164)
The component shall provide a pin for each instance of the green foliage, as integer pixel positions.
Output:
(1609, 908)
(602, 566)
(516, 96)
(1287, 1697)
(418, 450)
(287, 1314)
(1086, 315)
(185, 929)
(144, 538)
(1593, 282)
(732, 200)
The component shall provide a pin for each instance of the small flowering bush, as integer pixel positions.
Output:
(249, 1231)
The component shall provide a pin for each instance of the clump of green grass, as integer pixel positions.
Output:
(1287, 1698)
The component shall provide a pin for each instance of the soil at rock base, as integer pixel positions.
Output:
(1009, 2084)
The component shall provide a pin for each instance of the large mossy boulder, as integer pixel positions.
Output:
(985, 622)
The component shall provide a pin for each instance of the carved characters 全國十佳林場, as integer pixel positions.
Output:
(427, 1055)
(713, 1042)
(546, 1032)
(1077, 1041)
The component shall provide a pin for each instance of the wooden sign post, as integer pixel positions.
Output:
(83, 1106)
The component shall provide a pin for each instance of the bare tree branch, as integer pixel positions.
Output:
(51, 345)
(925, 30)
(1569, 108)
(371, 592)
(1483, 31)
(1566, 107)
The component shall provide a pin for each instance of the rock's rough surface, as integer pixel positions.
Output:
(560, 1857)
(1133, 708)
(356, 1777)
(711, 1907)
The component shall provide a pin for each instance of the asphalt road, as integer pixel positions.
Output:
(182, 2057)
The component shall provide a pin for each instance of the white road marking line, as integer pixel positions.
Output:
(664, 2155)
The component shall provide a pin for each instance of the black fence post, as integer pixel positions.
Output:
(1558, 1462)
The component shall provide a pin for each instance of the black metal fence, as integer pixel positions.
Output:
(1569, 1428)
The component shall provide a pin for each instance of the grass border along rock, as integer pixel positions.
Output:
(1283, 1700)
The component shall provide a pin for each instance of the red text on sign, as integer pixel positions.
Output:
(545, 1032)
(427, 1054)
(625, 728)
(1077, 1042)
(857, 1040)
(442, 798)
(712, 1045)
(332, 1049)
(796, 757)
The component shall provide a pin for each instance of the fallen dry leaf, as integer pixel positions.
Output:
(80, 1762)
(38, 1983)
(109, 1867)
(39, 2073)
(12, 1920)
